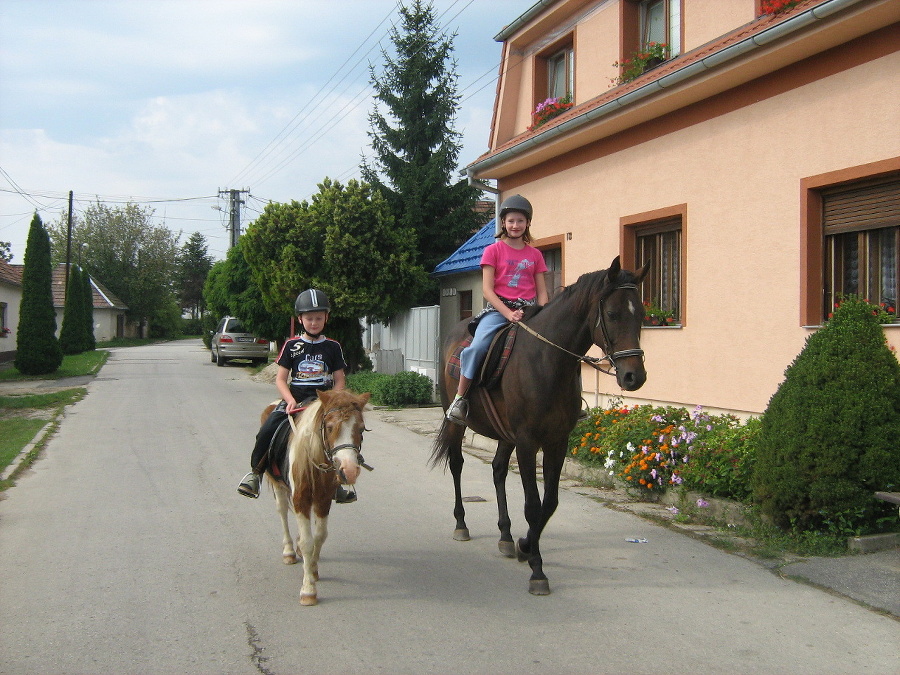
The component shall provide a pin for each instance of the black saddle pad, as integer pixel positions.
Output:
(278, 455)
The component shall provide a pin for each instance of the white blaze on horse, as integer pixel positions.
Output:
(323, 451)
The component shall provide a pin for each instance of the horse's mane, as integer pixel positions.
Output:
(587, 287)
(307, 441)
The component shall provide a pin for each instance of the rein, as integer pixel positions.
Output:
(593, 361)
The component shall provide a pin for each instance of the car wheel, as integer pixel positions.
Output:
(220, 360)
(212, 354)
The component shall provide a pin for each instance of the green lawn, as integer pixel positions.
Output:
(15, 434)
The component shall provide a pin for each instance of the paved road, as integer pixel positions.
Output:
(127, 549)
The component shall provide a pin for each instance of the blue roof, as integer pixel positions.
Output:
(467, 257)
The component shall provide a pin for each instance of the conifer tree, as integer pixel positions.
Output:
(37, 349)
(89, 342)
(71, 334)
(416, 147)
(828, 438)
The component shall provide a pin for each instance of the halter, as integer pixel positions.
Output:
(330, 452)
(593, 361)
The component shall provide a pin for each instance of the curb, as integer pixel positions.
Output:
(17, 460)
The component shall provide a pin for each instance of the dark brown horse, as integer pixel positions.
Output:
(536, 404)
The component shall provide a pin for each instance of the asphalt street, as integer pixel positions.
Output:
(126, 549)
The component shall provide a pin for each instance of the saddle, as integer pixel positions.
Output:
(494, 363)
(277, 454)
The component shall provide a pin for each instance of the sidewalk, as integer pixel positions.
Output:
(872, 579)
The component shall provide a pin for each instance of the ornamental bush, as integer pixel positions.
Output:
(828, 439)
(406, 388)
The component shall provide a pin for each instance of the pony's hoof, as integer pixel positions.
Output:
(461, 534)
(539, 587)
(507, 548)
(289, 559)
(521, 554)
(308, 600)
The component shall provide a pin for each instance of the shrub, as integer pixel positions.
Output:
(407, 388)
(368, 381)
(828, 438)
(721, 464)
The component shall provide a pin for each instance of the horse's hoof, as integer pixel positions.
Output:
(521, 555)
(507, 548)
(461, 534)
(309, 600)
(539, 587)
(289, 559)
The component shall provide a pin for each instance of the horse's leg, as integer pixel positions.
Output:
(528, 547)
(310, 562)
(319, 535)
(500, 466)
(288, 552)
(461, 533)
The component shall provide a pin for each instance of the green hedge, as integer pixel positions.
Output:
(406, 388)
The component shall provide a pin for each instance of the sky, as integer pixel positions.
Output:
(165, 103)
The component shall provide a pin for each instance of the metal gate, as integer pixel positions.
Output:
(408, 342)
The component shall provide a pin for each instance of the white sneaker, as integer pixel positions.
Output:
(458, 411)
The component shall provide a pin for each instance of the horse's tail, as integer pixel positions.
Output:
(447, 444)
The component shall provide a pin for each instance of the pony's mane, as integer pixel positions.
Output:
(307, 441)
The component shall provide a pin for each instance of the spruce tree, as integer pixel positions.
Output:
(828, 439)
(416, 147)
(71, 334)
(38, 351)
(89, 342)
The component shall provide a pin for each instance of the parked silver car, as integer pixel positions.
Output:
(231, 341)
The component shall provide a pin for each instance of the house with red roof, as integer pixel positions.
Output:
(109, 311)
(749, 149)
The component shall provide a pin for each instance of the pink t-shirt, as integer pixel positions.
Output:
(514, 270)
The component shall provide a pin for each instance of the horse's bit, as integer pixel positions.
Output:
(593, 361)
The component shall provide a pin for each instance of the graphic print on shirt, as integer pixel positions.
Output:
(310, 371)
(521, 266)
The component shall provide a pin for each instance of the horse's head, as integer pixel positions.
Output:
(342, 427)
(617, 328)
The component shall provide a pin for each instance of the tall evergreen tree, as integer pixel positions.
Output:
(38, 351)
(416, 147)
(89, 343)
(194, 263)
(71, 335)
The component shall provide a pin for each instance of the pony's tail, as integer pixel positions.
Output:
(448, 441)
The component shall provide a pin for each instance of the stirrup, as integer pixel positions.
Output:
(458, 411)
(249, 486)
(344, 496)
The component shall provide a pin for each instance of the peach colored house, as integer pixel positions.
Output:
(758, 167)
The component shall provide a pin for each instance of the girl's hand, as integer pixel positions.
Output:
(516, 316)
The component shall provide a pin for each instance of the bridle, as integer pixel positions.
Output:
(593, 361)
(330, 451)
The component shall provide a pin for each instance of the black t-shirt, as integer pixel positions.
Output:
(311, 365)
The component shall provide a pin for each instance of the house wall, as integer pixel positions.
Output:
(12, 296)
(737, 168)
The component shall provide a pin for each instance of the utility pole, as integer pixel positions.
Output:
(69, 245)
(234, 213)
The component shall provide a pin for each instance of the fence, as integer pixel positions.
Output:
(408, 342)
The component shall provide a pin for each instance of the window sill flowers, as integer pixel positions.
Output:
(777, 6)
(548, 109)
(654, 54)
(654, 315)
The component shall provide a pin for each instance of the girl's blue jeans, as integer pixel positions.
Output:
(471, 357)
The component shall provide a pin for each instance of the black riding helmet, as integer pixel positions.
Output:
(515, 203)
(312, 300)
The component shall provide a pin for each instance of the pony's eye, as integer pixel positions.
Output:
(612, 315)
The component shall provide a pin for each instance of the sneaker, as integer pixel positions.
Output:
(458, 411)
(249, 486)
(344, 496)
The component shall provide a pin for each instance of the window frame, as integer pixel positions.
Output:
(651, 223)
(631, 26)
(565, 48)
(813, 236)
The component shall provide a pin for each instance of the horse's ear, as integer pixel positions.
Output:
(613, 272)
(364, 398)
(641, 273)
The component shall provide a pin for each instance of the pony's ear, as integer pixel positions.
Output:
(613, 272)
(323, 395)
(364, 398)
(641, 273)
